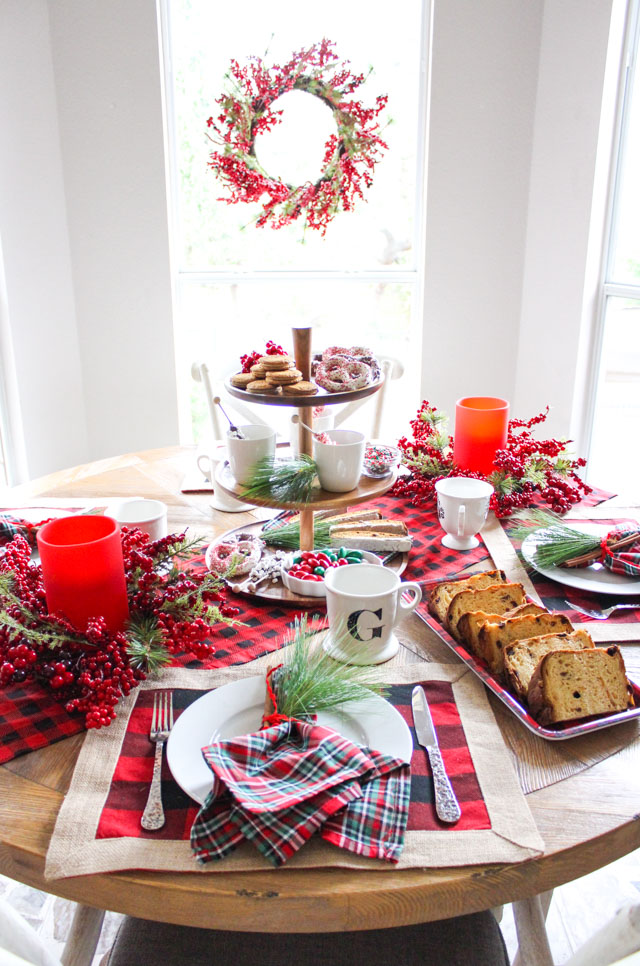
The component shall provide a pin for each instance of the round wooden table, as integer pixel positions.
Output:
(583, 793)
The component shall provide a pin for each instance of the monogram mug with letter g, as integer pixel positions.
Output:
(463, 504)
(364, 604)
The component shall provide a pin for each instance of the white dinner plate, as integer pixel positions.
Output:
(596, 579)
(236, 709)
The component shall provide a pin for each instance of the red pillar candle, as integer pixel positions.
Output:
(480, 430)
(83, 570)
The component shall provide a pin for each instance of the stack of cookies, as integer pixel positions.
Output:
(274, 375)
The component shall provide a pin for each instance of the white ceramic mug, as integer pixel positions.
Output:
(244, 454)
(208, 463)
(463, 504)
(364, 604)
(339, 462)
(150, 516)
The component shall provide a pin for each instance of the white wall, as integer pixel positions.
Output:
(108, 83)
(483, 87)
(42, 354)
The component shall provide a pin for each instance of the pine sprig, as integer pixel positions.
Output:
(311, 681)
(145, 645)
(284, 481)
(556, 542)
(288, 535)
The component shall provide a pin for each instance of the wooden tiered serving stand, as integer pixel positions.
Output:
(367, 488)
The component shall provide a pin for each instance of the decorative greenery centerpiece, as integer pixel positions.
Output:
(282, 481)
(171, 610)
(309, 681)
(525, 469)
(248, 108)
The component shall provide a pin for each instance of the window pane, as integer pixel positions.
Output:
(613, 461)
(219, 323)
(625, 261)
(379, 234)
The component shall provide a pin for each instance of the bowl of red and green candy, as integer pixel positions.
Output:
(303, 572)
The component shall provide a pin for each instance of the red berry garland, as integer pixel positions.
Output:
(171, 610)
(526, 471)
(247, 110)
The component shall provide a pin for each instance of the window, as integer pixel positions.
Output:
(238, 285)
(616, 421)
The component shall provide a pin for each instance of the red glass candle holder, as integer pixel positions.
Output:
(480, 430)
(83, 570)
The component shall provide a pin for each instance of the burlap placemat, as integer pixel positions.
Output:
(512, 836)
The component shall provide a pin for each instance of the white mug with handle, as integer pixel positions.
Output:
(364, 604)
(463, 505)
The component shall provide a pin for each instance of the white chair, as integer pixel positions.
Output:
(20, 945)
(239, 411)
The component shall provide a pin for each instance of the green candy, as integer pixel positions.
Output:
(355, 556)
(319, 571)
(342, 552)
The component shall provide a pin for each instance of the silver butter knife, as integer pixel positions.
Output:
(447, 807)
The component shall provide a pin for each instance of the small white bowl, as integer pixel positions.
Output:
(316, 588)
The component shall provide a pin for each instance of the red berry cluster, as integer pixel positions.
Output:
(90, 671)
(251, 358)
(527, 471)
(350, 154)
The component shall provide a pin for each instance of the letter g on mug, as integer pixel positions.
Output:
(364, 604)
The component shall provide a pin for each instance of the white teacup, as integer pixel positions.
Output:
(244, 454)
(339, 462)
(208, 464)
(150, 516)
(463, 504)
(364, 604)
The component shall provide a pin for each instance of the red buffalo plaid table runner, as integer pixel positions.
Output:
(30, 718)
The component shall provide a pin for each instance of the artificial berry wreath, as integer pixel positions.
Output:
(527, 470)
(170, 610)
(247, 110)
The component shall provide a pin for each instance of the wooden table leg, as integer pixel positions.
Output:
(533, 942)
(80, 947)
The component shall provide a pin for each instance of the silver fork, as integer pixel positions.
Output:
(161, 724)
(602, 614)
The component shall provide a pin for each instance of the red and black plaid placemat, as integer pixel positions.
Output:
(130, 783)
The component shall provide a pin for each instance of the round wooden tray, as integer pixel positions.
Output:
(278, 591)
(321, 398)
(367, 489)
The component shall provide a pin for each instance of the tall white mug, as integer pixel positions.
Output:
(150, 516)
(364, 604)
(244, 454)
(463, 504)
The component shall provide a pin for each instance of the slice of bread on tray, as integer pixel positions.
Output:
(567, 685)
(495, 599)
(522, 657)
(470, 623)
(493, 638)
(442, 594)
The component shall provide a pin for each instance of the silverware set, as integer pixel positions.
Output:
(161, 725)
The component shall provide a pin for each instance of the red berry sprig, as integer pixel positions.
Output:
(526, 471)
(171, 611)
(251, 358)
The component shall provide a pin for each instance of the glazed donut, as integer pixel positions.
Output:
(234, 557)
(341, 375)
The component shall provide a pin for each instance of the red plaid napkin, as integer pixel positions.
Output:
(278, 786)
(622, 561)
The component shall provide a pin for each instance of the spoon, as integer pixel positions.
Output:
(235, 432)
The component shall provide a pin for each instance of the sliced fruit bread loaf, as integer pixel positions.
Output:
(522, 658)
(577, 684)
(493, 638)
(442, 594)
(469, 624)
(495, 599)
